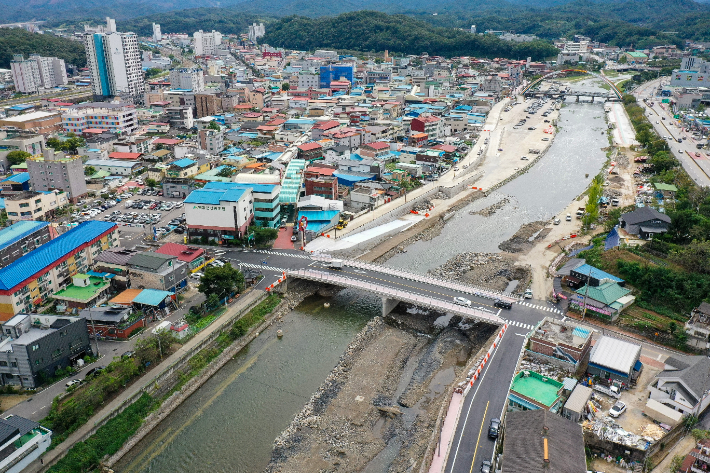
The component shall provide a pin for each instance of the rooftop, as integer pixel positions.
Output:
(596, 273)
(537, 387)
(120, 155)
(81, 293)
(560, 332)
(183, 252)
(18, 231)
(615, 354)
(50, 253)
(606, 293)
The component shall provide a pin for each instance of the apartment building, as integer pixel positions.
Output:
(29, 75)
(211, 141)
(21, 238)
(43, 123)
(206, 43)
(114, 62)
(54, 170)
(428, 124)
(180, 117)
(207, 105)
(28, 281)
(31, 205)
(187, 79)
(119, 118)
(35, 346)
(308, 80)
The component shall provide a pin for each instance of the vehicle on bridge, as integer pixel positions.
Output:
(462, 301)
(336, 264)
(503, 304)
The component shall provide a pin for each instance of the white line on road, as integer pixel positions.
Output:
(480, 382)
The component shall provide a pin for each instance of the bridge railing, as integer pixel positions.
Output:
(477, 291)
(398, 294)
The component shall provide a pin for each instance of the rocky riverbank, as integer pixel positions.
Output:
(526, 237)
(377, 408)
(491, 270)
(491, 209)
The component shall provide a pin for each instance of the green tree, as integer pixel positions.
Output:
(152, 72)
(221, 281)
(285, 86)
(151, 183)
(89, 170)
(17, 157)
(213, 125)
(663, 161)
(69, 145)
(622, 60)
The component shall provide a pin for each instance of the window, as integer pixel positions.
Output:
(3, 363)
(35, 347)
(13, 364)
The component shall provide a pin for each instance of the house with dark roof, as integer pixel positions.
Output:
(22, 441)
(151, 270)
(115, 261)
(684, 384)
(645, 222)
(539, 441)
(114, 322)
(35, 346)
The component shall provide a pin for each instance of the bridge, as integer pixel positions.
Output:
(614, 89)
(395, 286)
(607, 96)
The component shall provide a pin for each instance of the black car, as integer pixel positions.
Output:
(94, 371)
(494, 428)
(503, 304)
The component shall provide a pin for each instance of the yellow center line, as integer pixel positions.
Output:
(479, 437)
(405, 285)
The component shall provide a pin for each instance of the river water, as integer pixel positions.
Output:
(230, 423)
(540, 194)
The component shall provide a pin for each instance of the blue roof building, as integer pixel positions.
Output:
(594, 276)
(267, 203)
(183, 163)
(48, 269)
(320, 220)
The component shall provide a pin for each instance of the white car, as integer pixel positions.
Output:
(462, 301)
(617, 409)
(73, 382)
(528, 294)
(196, 275)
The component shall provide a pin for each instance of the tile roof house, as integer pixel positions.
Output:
(645, 222)
(607, 299)
(684, 384)
(541, 442)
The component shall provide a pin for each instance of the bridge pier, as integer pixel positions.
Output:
(577, 99)
(388, 305)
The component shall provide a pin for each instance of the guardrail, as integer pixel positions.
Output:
(480, 292)
(403, 296)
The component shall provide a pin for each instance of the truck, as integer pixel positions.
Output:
(336, 264)
(580, 212)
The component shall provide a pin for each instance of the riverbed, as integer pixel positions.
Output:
(562, 174)
(230, 423)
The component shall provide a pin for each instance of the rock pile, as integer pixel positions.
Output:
(491, 209)
(423, 206)
(525, 237)
(491, 270)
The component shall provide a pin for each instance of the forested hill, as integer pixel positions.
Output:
(19, 41)
(374, 31)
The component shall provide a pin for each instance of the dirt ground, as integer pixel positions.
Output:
(8, 401)
(379, 409)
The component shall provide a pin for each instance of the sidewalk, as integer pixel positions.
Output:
(140, 385)
(447, 434)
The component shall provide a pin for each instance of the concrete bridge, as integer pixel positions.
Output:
(395, 286)
(607, 96)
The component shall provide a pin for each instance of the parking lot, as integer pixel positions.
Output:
(142, 215)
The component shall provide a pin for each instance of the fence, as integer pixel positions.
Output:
(480, 292)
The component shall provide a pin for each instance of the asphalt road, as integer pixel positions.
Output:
(665, 125)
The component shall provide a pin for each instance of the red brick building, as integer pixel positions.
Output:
(310, 151)
(326, 187)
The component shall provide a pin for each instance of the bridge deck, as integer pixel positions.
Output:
(404, 296)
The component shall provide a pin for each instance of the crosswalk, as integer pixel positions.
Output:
(263, 266)
(541, 307)
(281, 253)
(515, 323)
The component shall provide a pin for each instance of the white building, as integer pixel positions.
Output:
(684, 384)
(256, 32)
(22, 442)
(307, 80)
(219, 214)
(187, 79)
(29, 75)
(118, 118)
(206, 43)
(157, 35)
(114, 62)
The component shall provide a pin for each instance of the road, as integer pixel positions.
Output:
(665, 125)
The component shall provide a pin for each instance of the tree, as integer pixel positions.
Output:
(221, 281)
(151, 183)
(71, 145)
(285, 86)
(622, 60)
(17, 157)
(152, 72)
(663, 161)
(214, 126)
(89, 170)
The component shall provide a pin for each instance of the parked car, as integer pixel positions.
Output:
(196, 275)
(617, 409)
(73, 382)
(486, 466)
(494, 428)
(462, 301)
(94, 371)
(528, 294)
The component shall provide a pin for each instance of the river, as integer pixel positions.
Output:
(540, 194)
(230, 423)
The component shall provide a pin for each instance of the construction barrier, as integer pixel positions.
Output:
(475, 374)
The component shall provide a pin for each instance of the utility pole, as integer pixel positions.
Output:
(93, 329)
(586, 293)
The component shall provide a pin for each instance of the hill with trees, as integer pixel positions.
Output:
(19, 41)
(375, 31)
